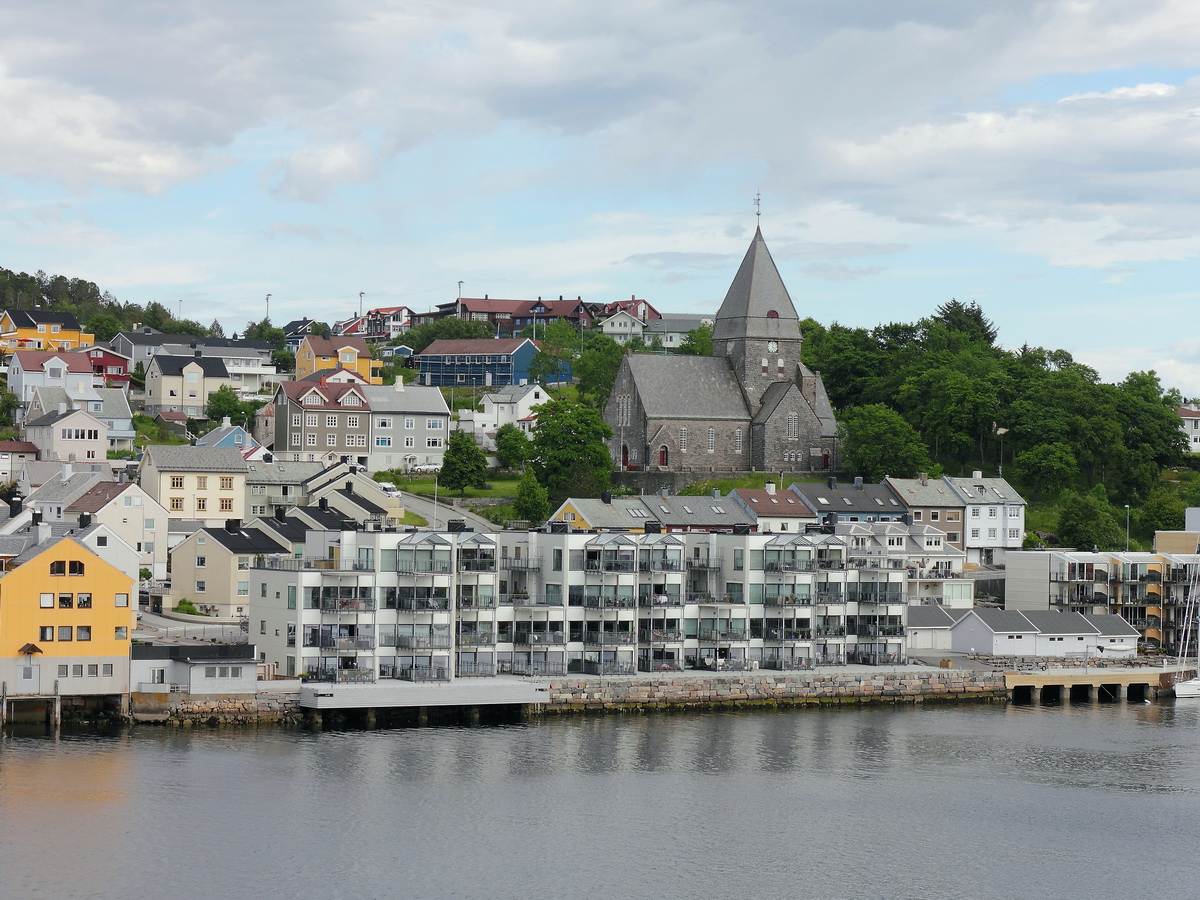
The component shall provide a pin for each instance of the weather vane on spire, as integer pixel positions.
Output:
(757, 206)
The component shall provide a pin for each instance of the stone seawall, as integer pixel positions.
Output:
(567, 695)
(216, 709)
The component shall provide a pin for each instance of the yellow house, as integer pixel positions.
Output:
(37, 329)
(66, 616)
(337, 352)
(614, 514)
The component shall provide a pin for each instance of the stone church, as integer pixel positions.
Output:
(752, 405)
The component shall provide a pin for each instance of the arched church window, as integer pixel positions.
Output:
(765, 364)
(683, 438)
(712, 439)
(737, 440)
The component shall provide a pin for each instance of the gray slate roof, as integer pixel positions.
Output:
(168, 458)
(174, 365)
(687, 387)
(757, 304)
(984, 490)
(933, 492)
(413, 399)
(933, 616)
(1003, 620)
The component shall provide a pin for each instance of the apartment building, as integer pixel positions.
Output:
(183, 384)
(211, 567)
(993, 518)
(358, 605)
(41, 329)
(207, 484)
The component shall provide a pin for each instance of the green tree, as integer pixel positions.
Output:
(558, 344)
(464, 464)
(596, 368)
(223, 402)
(531, 503)
(283, 360)
(876, 442)
(216, 330)
(1087, 521)
(697, 342)
(105, 326)
(1047, 469)
(263, 330)
(512, 446)
(1162, 511)
(450, 328)
(570, 457)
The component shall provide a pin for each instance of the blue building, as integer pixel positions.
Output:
(481, 363)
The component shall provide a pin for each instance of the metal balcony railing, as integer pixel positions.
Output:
(609, 638)
(531, 638)
(477, 565)
(345, 644)
(521, 563)
(476, 639)
(423, 642)
(660, 635)
(651, 601)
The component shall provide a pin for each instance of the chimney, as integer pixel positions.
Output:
(716, 493)
(62, 409)
(605, 497)
(193, 345)
(225, 423)
(85, 519)
(831, 481)
(771, 488)
(14, 506)
(323, 503)
(66, 471)
(349, 487)
(233, 526)
(281, 514)
(36, 518)
(197, 354)
(267, 457)
(858, 482)
(923, 478)
(976, 474)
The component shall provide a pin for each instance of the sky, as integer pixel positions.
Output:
(1037, 157)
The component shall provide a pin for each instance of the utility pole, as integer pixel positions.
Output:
(360, 296)
(268, 319)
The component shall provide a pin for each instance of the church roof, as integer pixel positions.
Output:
(757, 304)
(687, 387)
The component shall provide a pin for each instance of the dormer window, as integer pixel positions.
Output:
(312, 400)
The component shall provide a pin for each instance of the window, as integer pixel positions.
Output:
(383, 442)
(433, 424)
(201, 561)
(227, 482)
(433, 443)
(917, 515)
(177, 481)
(226, 504)
(201, 504)
(62, 671)
(331, 421)
(46, 633)
(296, 420)
(83, 601)
(712, 439)
(793, 425)
(106, 670)
(974, 532)
(243, 589)
(737, 440)
(1014, 532)
(383, 422)
(683, 438)
(176, 503)
(351, 421)
(58, 567)
(66, 601)
(1014, 512)
(121, 600)
(83, 633)
(64, 632)
(331, 440)
(974, 512)
(310, 440)
(77, 671)
(202, 482)
(200, 586)
(46, 601)
(934, 515)
(101, 540)
(991, 512)
(310, 420)
(992, 534)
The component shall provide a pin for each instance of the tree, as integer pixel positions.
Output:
(216, 330)
(223, 402)
(697, 342)
(596, 368)
(1087, 521)
(569, 453)
(105, 326)
(449, 328)
(876, 441)
(532, 503)
(263, 330)
(464, 464)
(1047, 468)
(557, 348)
(1162, 511)
(512, 446)
(967, 319)
(283, 360)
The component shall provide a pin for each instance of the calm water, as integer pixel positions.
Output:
(983, 802)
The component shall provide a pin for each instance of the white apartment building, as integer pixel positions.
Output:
(420, 605)
(993, 518)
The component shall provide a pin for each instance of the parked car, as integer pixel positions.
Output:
(426, 468)
(392, 491)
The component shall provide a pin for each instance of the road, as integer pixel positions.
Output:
(437, 517)
(151, 627)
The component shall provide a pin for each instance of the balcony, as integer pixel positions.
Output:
(833, 563)
(423, 642)
(424, 604)
(609, 565)
(292, 564)
(591, 601)
(706, 564)
(786, 663)
(347, 644)
(788, 568)
(476, 603)
(532, 667)
(540, 638)
(521, 563)
(660, 565)
(477, 565)
(476, 639)
(724, 665)
(786, 600)
(340, 676)
(660, 665)
(831, 598)
(829, 631)
(423, 567)
(885, 631)
(523, 599)
(422, 674)
(333, 604)
(656, 601)
(594, 667)
(475, 670)
(660, 635)
(609, 638)
(721, 635)
(786, 634)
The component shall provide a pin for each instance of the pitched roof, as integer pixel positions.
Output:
(171, 458)
(1000, 620)
(211, 366)
(861, 499)
(245, 540)
(927, 492)
(99, 496)
(35, 360)
(29, 318)
(18, 447)
(414, 398)
(976, 490)
(699, 512)
(482, 346)
(780, 504)
(331, 392)
(322, 346)
(51, 417)
(757, 304)
(687, 387)
(932, 616)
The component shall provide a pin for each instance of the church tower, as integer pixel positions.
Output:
(757, 328)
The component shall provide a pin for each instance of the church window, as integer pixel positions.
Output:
(683, 438)
(624, 404)
(765, 365)
(712, 439)
(793, 425)
(662, 457)
(737, 440)
(779, 366)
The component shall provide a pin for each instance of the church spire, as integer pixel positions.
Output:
(757, 304)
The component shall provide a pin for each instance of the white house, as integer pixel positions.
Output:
(994, 517)
(511, 404)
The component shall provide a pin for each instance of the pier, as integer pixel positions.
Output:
(1034, 684)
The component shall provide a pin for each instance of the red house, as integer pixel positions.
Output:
(112, 366)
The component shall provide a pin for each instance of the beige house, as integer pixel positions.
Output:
(69, 435)
(133, 515)
(207, 484)
(183, 384)
(212, 567)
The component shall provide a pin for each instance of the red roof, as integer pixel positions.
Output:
(484, 305)
(17, 447)
(297, 390)
(331, 345)
(462, 346)
(35, 360)
(781, 504)
(99, 496)
(1186, 413)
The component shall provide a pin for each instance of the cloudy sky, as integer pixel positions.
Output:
(1039, 158)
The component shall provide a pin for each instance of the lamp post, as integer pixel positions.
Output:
(1001, 432)
(1126, 527)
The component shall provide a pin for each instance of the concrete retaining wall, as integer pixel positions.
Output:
(774, 689)
(216, 709)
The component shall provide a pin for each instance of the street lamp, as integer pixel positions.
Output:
(1126, 527)
(1000, 468)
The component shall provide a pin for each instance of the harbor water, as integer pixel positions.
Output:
(962, 801)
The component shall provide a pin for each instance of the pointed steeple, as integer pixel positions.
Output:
(757, 304)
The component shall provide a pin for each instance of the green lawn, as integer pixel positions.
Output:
(423, 485)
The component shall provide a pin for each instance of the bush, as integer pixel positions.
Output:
(187, 608)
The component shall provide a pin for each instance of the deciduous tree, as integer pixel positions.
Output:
(464, 464)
